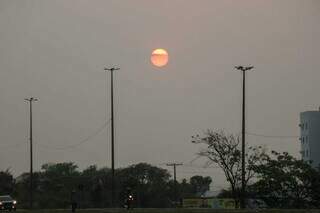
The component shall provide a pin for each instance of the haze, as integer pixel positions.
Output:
(56, 51)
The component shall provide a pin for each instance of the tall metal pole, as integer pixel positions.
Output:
(243, 173)
(243, 145)
(175, 179)
(30, 100)
(112, 137)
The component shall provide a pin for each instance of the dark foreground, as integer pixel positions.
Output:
(173, 211)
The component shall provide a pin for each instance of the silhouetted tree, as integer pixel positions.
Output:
(6, 182)
(200, 184)
(95, 182)
(148, 183)
(286, 182)
(56, 184)
(22, 189)
(225, 193)
(224, 150)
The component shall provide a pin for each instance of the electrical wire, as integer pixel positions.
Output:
(196, 172)
(200, 167)
(85, 140)
(271, 136)
(5, 146)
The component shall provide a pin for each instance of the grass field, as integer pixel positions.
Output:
(171, 211)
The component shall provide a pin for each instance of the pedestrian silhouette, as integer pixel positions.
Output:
(74, 202)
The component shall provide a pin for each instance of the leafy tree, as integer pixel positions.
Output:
(6, 182)
(150, 185)
(97, 186)
(286, 182)
(22, 189)
(56, 184)
(185, 189)
(225, 193)
(60, 169)
(224, 150)
(147, 182)
(200, 184)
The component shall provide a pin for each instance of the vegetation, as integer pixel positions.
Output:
(6, 182)
(279, 179)
(172, 210)
(286, 182)
(224, 150)
(151, 186)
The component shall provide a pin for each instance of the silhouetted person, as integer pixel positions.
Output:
(129, 199)
(74, 202)
(129, 202)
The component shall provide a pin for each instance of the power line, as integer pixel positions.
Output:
(196, 158)
(272, 136)
(195, 172)
(85, 140)
(4, 146)
(200, 167)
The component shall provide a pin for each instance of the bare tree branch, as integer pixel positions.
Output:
(224, 150)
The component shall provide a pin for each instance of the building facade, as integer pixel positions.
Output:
(310, 136)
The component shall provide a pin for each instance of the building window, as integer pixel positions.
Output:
(306, 139)
(307, 153)
(306, 126)
(303, 140)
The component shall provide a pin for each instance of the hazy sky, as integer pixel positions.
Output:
(56, 51)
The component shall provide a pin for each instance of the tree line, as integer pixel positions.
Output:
(151, 186)
(279, 179)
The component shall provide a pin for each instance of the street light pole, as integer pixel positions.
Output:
(112, 69)
(30, 100)
(243, 145)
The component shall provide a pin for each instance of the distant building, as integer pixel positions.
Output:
(310, 136)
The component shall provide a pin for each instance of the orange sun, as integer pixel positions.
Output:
(159, 57)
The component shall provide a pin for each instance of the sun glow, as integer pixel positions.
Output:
(159, 57)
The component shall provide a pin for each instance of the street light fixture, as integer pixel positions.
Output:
(112, 69)
(243, 162)
(30, 100)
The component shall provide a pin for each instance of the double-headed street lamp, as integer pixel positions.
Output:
(243, 145)
(112, 69)
(30, 100)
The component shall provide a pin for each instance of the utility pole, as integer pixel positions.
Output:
(243, 144)
(175, 179)
(112, 69)
(30, 100)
